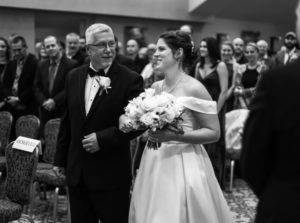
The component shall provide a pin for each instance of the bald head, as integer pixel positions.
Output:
(187, 29)
(238, 45)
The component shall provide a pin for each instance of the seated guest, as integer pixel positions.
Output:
(17, 86)
(50, 80)
(73, 49)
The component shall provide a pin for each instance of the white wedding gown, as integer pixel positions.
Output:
(176, 183)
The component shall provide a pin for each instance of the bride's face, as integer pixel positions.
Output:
(163, 57)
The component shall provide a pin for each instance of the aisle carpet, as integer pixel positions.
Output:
(241, 200)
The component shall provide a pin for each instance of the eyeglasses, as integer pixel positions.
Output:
(104, 45)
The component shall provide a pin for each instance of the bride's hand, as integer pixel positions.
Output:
(162, 135)
(124, 124)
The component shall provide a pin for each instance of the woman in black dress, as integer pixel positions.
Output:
(214, 75)
(247, 76)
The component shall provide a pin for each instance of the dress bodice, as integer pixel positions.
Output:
(212, 84)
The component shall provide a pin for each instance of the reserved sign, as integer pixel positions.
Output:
(27, 144)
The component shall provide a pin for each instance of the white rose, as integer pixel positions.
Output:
(105, 82)
(149, 104)
(147, 119)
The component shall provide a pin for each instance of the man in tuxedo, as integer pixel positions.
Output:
(290, 54)
(17, 86)
(270, 159)
(91, 149)
(50, 81)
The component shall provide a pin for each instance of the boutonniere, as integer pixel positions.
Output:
(104, 84)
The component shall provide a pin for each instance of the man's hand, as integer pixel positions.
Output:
(12, 100)
(90, 143)
(59, 171)
(49, 105)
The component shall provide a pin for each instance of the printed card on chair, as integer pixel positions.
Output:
(27, 144)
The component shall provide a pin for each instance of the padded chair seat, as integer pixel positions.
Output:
(2, 163)
(48, 176)
(44, 166)
(10, 211)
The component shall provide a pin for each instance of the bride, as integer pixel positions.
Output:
(176, 183)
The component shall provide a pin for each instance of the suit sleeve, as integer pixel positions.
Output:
(64, 136)
(59, 98)
(256, 155)
(38, 87)
(113, 137)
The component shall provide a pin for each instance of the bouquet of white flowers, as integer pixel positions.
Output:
(154, 111)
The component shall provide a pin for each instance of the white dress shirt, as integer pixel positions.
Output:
(92, 86)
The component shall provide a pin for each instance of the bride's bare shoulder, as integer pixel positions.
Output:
(195, 88)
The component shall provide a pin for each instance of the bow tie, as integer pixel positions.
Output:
(93, 73)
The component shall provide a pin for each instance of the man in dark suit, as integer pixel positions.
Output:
(270, 159)
(50, 81)
(291, 53)
(91, 149)
(73, 48)
(17, 87)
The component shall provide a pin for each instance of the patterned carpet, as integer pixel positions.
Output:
(241, 200)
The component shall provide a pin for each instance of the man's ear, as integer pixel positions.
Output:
(178, 53)
(87, 50)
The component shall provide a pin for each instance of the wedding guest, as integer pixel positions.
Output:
(213, 74)
(227, 57)
(4, 58)
(50, 81)
(264, 57)
(4, 55)
(270, 158)
(73, 49)
(239, 56)
(290, 54)
(246, 77)
(132, 49)
(17, 85)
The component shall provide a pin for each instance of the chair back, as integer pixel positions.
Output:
(50, 134)
(28, 126)
(6, 120)
(21, 168)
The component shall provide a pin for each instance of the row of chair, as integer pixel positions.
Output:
(28, 126)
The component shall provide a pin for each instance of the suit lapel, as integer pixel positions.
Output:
(81, 92)
(99, 99)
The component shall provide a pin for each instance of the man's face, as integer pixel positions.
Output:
(290, 42)
(132, 47)
(103, 50)
(19, 50)
(82, 42)
(51, 47)
(262, 47)
(72, 44)
(238, 45)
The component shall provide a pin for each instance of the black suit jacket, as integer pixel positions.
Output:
(80, 57)
(42, 83)
(109, 167)
(25, 86)
(270, 159)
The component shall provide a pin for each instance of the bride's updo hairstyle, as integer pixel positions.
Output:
(178, 39)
